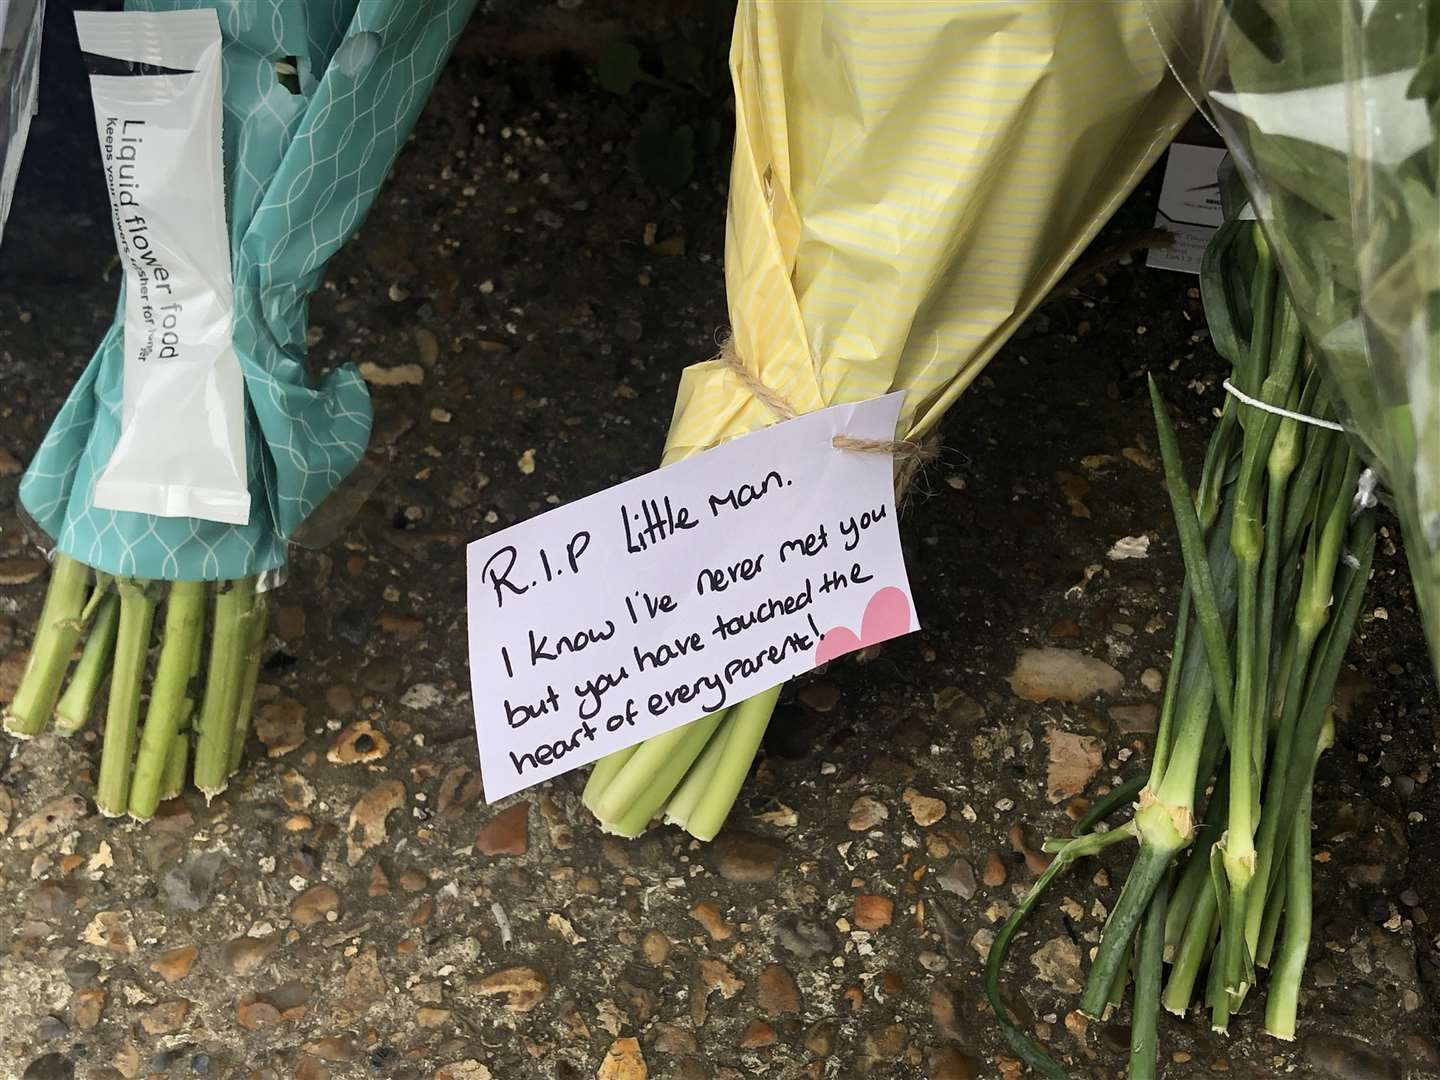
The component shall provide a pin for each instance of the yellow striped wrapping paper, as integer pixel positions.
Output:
(909, 181)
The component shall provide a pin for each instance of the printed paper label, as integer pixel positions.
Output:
(181, 449)
(1189, 208)
(682, 592)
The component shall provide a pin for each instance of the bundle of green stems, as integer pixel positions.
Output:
(200, 700)
(689, 776)
(1277, 552)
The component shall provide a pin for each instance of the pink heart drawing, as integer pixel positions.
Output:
(887, 615)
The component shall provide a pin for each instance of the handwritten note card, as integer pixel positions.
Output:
(682, 592)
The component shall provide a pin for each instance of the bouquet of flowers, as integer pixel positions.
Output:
(242, 144)
(1330, 112)
(908, 184)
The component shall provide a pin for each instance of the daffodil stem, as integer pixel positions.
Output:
(692, 789)
(665, 779)
(602, 773)
(751, 717)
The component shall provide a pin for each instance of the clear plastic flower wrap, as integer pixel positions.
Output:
(20, 25)
(1330, 112)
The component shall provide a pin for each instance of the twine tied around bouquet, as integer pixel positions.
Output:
(909, 454)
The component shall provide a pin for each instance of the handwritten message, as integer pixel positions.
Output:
(682, 592)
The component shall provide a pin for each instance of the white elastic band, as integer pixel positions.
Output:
(1265, 406)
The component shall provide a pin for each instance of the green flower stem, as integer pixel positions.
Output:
(1217, 998)
(752, 716)
(1020, 1042)
(1282, 664)
(1176, 787)
(1217, 463)
(1300, 500)
(1191, 935)
(1315, 711)
(602, 773)
(1275, 783)
(103, 587)
(1283, 1002)
(1106, 805)
(1250, 374)
(72, 712)
(1197, 569)
(223, 688)
(1176, 777)
(665, 779)
(180, 750)
(1149, 970)
(1164, 731)
(1319, 445)
(1271, 450)
(1284, 457)
(1312, 612)
(254, 656)
(1195, 875)
(1320, 686)
(55, 640)
(1165, 819)
(173, 783)
(1268, 452)
(1116, 997)
(1194, 949)
(681, 805)
(1150, 867)
(184, 622)
(640, 770)
(1237, 857)
(132, 644)
(1249, 718)
(1179, 775)
(1270, 925)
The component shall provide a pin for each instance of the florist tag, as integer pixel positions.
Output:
(682, 592)
(1189, 206)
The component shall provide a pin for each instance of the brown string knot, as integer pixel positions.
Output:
(909, 455)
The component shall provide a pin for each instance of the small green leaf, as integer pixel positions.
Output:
(618, 69)
(665, 156)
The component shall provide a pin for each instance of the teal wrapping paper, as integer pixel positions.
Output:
(301, 171)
